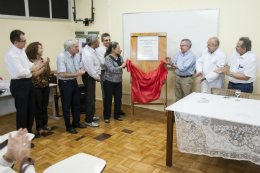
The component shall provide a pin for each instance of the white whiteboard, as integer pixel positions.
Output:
(196, 25)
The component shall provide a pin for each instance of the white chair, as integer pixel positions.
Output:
(4, 137)
(78, 163)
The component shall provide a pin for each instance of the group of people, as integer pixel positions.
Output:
(29, 83)
(70, 65)
(212, 67)
(30, 86)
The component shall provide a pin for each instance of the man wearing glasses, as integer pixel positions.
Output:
(20, 71)
(184, 64)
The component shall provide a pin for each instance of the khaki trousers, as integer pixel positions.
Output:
(183, 87)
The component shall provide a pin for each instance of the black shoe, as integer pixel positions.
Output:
(80, 126)
(119, 119)
(73, 131)
(122, 113)
(32, 145)
(37, 135)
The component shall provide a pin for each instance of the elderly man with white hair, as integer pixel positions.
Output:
(92, 66)
(211, 57)
(69, 67)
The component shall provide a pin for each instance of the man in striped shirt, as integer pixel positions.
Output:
(69, 67)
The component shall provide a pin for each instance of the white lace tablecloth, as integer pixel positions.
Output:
(206, 128)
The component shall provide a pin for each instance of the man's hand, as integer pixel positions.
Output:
(10, 146)
(37, 66)
(99, 79)
(80, 72)
(198, 74)
(201, 80)
(225, 70)
(168, 61)
(18, 146)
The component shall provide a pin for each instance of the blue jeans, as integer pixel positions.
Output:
(244, 87)
(70, 97)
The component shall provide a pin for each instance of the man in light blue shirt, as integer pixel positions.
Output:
(184, 64)
(69, 67)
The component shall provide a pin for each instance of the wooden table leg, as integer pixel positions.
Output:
(170, 123)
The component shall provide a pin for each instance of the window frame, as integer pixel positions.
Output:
(27, 17)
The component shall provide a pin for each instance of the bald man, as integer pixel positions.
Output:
(211, 57)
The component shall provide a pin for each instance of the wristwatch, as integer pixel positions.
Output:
(7, 159)
(231, 74)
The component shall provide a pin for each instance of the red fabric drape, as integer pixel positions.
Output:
(146, 87)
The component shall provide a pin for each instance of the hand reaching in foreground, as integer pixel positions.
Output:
(19, 146)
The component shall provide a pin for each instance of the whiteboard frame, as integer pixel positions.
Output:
(164, 12)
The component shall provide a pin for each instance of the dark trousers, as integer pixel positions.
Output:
(102, 86)
(24, 100)
(70, 97)
(111, 89)
(41, 105)
(243, 87)
(90, 95)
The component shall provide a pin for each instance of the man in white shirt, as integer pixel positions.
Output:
(20, 71)
(92, 67)
(106, 40)
(242, 67)
(211, 57)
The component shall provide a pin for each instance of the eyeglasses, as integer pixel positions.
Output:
(182, 45)
(22, 41)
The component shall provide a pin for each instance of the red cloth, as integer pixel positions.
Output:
(146, 87)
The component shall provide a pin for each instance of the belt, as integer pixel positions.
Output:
(22, 79)
(239, 83)
(69, 80)
(184, 76)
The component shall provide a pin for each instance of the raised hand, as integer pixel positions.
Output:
(80, 72)
(19, 146)
(168, 61)
(219, 70)
(37, 66)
